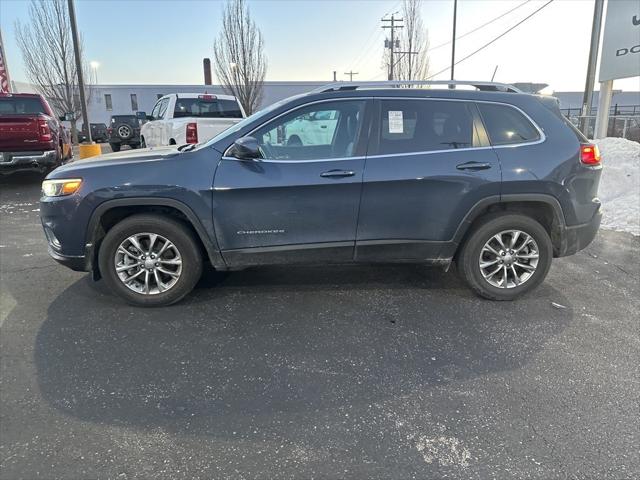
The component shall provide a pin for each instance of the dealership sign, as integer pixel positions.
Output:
(621, 43)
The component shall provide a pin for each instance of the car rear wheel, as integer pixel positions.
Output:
(505, 256)
(150, 261)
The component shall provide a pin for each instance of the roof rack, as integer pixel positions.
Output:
(484, 86)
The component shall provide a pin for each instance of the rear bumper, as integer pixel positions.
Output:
(15, 161)
(578, 237)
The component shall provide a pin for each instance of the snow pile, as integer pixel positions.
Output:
(620, 184)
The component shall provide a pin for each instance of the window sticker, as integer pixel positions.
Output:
(396, 125)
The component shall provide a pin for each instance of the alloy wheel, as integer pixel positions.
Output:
(148, 263)
(509, 258)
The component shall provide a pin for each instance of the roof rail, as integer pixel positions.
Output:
(485, 86)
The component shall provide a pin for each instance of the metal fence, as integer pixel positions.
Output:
(624, 121)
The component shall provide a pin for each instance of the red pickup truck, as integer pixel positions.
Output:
(31, 137)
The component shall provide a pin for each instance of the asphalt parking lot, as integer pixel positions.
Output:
(343, 372)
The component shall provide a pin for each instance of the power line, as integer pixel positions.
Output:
(481, 26)
(367, 44)
(494, 40)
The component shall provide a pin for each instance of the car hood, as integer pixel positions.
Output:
(116, 158)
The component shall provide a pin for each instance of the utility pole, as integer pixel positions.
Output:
(76, 51)
(335, 79)
(453, 41)
(591, 67)
(392, 43)
(351, 73)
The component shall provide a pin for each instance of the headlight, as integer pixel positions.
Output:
(60, 188)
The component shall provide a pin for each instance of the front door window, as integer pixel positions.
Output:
(314, 132)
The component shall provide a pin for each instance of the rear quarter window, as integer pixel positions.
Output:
(506, 125)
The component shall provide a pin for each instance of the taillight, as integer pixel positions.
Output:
(109, 130)
(192, 133)
(44, 131)
(589, 154)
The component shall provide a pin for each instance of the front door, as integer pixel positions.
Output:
(299, 202)
(430, 162)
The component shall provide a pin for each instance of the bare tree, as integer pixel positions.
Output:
(47, 52)
(240, 63)
(414, 38)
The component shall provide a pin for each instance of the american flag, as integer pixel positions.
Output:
(5, 87)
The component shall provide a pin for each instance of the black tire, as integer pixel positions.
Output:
(115, 147)
(126, 133)
(468, 260)
(172, 230)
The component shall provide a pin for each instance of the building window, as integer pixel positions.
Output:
(107, 101)
(134, 102)
(159, 96)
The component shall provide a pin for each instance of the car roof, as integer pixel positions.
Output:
(196, 95)
(32, 95)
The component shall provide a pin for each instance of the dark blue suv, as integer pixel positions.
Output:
(491, 178)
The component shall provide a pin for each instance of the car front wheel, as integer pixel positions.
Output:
(150, 261)
(505, 256)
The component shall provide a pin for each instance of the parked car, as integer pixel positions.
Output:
(181, 118)
(99, 133)
(498, 182)
(124, 130)
(31, 137)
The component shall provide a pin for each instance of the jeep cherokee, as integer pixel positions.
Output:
(491, 178)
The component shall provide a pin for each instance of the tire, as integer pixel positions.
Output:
(115, 147)
(124, 131)
(520, 279)
(184, 243)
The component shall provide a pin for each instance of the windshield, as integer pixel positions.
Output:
(251, 118)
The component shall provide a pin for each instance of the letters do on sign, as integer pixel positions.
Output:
(621, 41)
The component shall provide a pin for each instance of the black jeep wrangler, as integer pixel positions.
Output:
(124, 130)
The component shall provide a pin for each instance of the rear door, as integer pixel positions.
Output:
(299, 203)
(429, 163)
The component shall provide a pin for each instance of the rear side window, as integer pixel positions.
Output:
(207, 108)
(424, 125)
(21, 105)
(506, 125)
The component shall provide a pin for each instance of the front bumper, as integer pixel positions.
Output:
(16, 161)
(578, 237)
(79, 263)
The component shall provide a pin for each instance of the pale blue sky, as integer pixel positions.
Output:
(164, 41)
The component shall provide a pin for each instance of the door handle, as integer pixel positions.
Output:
(338, 173)
(473, 166)
(323, 126)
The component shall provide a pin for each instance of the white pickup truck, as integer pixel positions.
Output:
(180, 118)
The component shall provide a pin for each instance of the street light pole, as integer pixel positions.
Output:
(76, 51)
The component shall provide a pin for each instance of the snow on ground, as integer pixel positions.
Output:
(620, 184)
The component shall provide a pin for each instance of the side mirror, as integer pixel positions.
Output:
(149, 118)
(245, 148)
